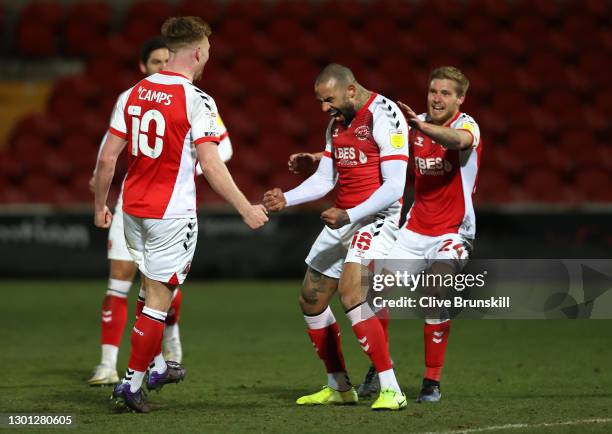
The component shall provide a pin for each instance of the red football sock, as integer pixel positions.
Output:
(114, 317)
(371, 336)
(328, 345)
(146, 339)
(435, 338)
(383, 317)
(174, 313)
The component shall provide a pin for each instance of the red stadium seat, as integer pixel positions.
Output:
(583, 29)
(577, 140)
(79, 187)
(492, 186)
(11, 166)
(284, 180)
(540, 66)
(526, 142)
(239, 124)
(379, 30)
(38, 124)
(544, 185)
(39, 187)
(81, 150)
(596, 120)
(95, 12)
(252, 161)
(284, 31)
(59, 166)
(86, 27)
(34, 39)
(593, 185)
(596, 66)
(122, 51)
(251, 71)
(138, 30)
(253, 10)
(209, 10)
(295, 10)
(341, 8)
(403, 12)
(508, 102)
(302, 71)
(37, 28)
(154, 11)
(48, 11)
(332, 30)
(494, 9)
(265, 47)
(545, 10)
(31, 150)
(559, 99)
(13, 195)
(81, 38)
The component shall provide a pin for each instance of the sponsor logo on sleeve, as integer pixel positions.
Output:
(467, 126)
(397, 139)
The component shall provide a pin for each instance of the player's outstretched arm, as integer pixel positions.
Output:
(304, 162)
(221, 181)
(105, 170)
(450, 138)
(314, 187)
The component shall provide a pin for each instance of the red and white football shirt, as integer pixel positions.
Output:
(163, 117)
(377, 133)
(444, 182)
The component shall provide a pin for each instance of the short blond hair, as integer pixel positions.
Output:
(179, 32)
(454, 74)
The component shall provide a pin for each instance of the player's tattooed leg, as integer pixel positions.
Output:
(317, 291)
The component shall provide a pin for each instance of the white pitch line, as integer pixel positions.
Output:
(523, 425)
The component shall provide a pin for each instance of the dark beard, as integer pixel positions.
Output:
(349, 115)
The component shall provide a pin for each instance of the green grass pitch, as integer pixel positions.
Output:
(248, 358)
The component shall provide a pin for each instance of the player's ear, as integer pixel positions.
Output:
(351, 90)
(142, 67)
(460, 99)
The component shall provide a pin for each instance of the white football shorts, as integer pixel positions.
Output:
(162, 248)
(117, 247)
(414, 252)
(371, 238)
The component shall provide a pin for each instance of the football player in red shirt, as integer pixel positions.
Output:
(366, 154)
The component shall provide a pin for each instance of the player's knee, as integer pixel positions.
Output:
(351, 299)
(310, 303)
(123, 270)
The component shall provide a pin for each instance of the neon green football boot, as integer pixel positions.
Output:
(389, 399)
(329, 396)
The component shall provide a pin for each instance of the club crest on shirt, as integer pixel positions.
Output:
(418, 141)
(362, 132)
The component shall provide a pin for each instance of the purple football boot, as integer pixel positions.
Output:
(175, 373)
(134, 401)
